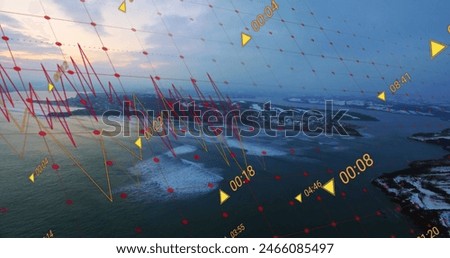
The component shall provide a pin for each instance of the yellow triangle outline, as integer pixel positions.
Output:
(245, 38)
(223, 196)
(31, 177)
(329, 187)
(138, 143)
(123, 6)
(299, 198)
(382, 96)
(436, 48)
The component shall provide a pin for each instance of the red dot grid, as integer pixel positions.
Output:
(281, 51)
(320, 28)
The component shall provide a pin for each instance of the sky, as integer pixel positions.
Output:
(349, 48)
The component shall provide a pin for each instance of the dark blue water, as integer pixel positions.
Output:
(266, 205)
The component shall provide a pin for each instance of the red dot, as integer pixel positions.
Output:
(42, 133)
(217, 131)
(170, 190)
(5, 38)
(260, 208)
(104, 48)
(69, 202)
(263, 152)
(246, 181)
(196, 157)
(343, 194)
(83, 102)
(96, 132)
(292, 203)
(156, 160)
(277, 177)
(305, 173)
(58, 43)
(357, 218)
(210, 185)
(157, 78)
(47, 17)
(138, 230)
(70, 72)
(364, 190)
(17, 69)
(109, 163)
(233, 155)
(333, 224)
(93, 24)
(29, 100)
(329, 171)
(225, 215)
(133, 29)
(55, 166)
(123, 195)
(117, 75)
(292, 151)
(319, 198)
(145, 52)
(306, 230)
(398, 209)
(184, 221)
(378, 213)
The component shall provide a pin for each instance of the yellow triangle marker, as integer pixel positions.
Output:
(138, 143)
(50, 87)
(245, 38)
(223, 196)
(299, 197)
(123, 7)
(31, 178)
(382, 96)
(436, 48)
(329, 186)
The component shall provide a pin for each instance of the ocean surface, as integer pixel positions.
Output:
(179, 196)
